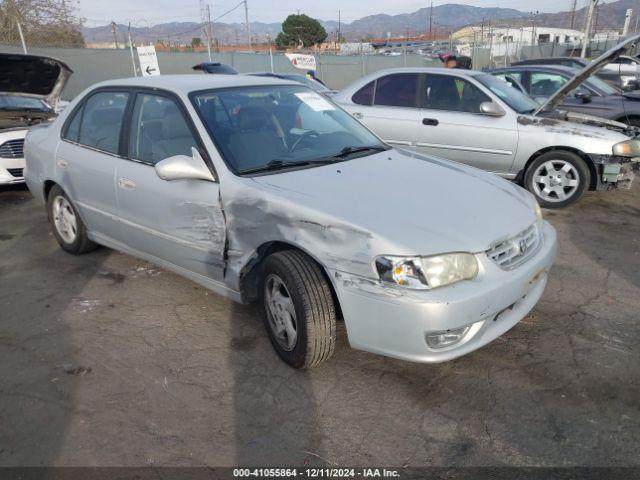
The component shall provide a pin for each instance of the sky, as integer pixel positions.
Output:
(149, 12)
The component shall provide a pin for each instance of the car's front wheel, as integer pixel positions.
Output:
(557, 178)
(68, 228)
(299, 312)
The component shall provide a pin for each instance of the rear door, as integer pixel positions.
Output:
(452, 126)
(389, 107)
(181, 221)
(86, 158)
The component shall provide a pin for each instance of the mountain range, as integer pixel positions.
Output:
(445, 18)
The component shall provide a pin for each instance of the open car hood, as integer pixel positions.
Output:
(627, 46)
(33, 76)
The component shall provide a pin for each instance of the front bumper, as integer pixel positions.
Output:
(394, 322)
(11, 170)
(615, 172)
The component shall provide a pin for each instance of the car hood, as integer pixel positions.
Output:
(628, 45)
(405, 203)
(33, 76)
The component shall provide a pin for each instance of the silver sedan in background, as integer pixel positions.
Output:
(475, 118)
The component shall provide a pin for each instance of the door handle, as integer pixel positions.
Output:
(126, 184)
(358, 115)
(61, 163)
(430, 122)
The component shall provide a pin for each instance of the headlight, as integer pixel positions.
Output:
(427, 272)
(630, 148)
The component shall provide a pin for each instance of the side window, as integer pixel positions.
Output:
(102, 120)
(512, 78)
(158, 130)
(364, 96)
(443, 92)
(397, 90)
(73, 127)
(545, 84)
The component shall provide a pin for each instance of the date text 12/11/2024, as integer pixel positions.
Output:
(315, 473)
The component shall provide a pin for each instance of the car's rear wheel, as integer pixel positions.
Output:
(68, 228)
(299, 312)
(557, 178)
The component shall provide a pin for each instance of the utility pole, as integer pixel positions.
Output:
(115, 35)
(246, 19)
(431, 22)
(24, 44)
(209, 32)
(339, 34)
(587, 28)
(133, 60)
(574, 6)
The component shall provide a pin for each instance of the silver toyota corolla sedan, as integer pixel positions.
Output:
(263, 190)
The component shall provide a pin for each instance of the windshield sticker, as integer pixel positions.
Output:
(315, 101)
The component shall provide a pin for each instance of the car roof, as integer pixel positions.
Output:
(555, 68)
(187, 83)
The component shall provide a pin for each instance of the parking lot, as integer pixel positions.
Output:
(107, 360)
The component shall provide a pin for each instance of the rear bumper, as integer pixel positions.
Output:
(395, 322)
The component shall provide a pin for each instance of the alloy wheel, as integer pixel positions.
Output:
(281, 312)
(64, 219)
(556, 180)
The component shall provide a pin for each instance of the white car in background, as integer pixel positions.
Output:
(29, 90)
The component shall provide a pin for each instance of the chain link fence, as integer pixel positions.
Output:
(95, 65)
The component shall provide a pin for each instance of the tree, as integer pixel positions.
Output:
(196, 42)
(43, 22)
(301, 29)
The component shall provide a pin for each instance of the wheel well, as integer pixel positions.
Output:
(252, 272)
(626, 118)
(592, 168)
(48, 185)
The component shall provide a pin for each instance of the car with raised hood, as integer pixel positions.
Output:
(592, 97)
(475, 118)
(263, 190)
(622, 72)
(30, 87)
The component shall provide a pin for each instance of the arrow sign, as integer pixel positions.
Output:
(148, 61)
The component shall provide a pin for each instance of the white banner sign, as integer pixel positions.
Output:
(148, 61)
(303, 62)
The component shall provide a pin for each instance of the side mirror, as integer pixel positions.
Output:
(491, 109)
(183, 167)
(583, 96)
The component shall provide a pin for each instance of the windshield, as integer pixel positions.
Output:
(15, 102)
(517, 100)
(275, 127)
(602, 86)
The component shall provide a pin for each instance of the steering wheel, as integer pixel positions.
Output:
(304, 136)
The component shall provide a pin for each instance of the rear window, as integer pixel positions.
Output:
(101, 121)
(364, 96)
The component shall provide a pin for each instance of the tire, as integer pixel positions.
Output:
(67, 226)
(557, 178)
(292, 282)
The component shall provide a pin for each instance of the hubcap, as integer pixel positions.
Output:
(281, 313)
(556, 180)
(64, 219)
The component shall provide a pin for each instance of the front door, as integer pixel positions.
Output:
(180, 222)
(452, 126)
